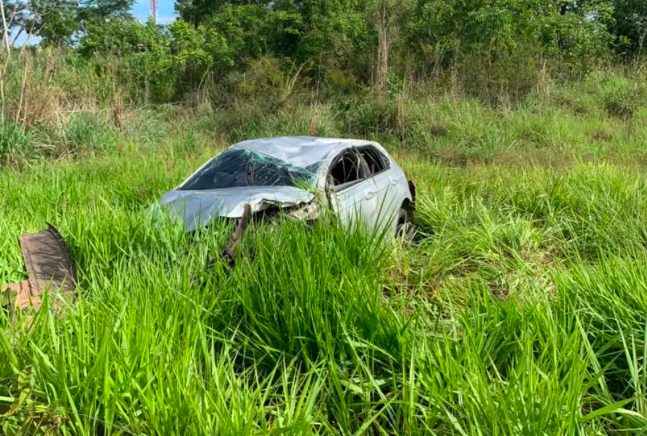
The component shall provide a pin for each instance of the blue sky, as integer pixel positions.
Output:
(165, 12)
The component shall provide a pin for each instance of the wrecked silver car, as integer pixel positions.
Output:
(357, 179)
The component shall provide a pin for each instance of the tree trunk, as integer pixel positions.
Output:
(382, 67)
(641, 41)
(5, 34)
(15, 38)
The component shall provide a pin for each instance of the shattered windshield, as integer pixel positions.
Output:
(240, 168)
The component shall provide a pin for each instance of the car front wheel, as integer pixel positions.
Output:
(405, 229)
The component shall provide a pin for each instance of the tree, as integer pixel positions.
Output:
(101, 10)
(55, 21)
(199, 11)
(5, 37)
(15, 19)
(630, 18)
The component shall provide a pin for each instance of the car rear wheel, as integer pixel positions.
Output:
(405, 228)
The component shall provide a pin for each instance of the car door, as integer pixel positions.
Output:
(386, 183)
(355, 196)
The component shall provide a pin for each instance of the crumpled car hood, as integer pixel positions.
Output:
(199, 208)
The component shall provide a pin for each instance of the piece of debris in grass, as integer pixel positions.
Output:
(49, 269)
(228, 253)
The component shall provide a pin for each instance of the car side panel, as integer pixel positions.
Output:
(388, 193)
(393, 192)
(388, 198)
(357, 205)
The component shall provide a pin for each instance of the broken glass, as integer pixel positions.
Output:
(236, 168)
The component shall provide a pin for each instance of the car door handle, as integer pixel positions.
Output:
(370, 195)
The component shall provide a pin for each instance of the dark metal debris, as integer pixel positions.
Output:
(228, 253)
(49, 269)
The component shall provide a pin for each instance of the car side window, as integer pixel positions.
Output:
(346, 170)
(375, 160)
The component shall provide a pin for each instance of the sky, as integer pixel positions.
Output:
(165, 10)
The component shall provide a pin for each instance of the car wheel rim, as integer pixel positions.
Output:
(405, 231)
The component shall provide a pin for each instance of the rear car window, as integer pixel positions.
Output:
(346, 170)
(240, 168)
(375, 160)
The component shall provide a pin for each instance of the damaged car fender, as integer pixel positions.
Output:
(199, 208)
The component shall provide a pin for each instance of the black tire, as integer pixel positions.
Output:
(405, 229)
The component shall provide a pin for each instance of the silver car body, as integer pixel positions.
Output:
(374, 198)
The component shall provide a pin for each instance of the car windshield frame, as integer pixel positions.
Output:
(239, 168)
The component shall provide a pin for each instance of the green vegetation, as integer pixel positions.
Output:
(519, 309)
(492, 49)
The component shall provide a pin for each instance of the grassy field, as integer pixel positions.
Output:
(520, 308)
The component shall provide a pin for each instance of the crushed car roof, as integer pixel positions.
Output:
(300, 151)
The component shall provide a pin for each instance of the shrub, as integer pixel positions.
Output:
(266, 82)
(86, 132)
(15, 144)
(622, 98)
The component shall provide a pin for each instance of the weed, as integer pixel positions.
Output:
(15, 144)
(622, 99)
(86, 132)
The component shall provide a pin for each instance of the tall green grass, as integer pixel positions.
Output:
(518, 310)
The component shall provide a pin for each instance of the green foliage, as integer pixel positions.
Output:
(485, 48)
(197, 51)
(126, 38)
(15, 144)
(142, 52)
(102, 10)
(622, 98)
(513, 40)
(86, 133)
(55, 21)
(424, 37)
(519, 309)
(269, 84)
(630, 25)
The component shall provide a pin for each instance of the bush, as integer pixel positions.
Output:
(400, 119)
(368, 118)
(15, 144)
(622, 98)
(267, 82)
(85, 132)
